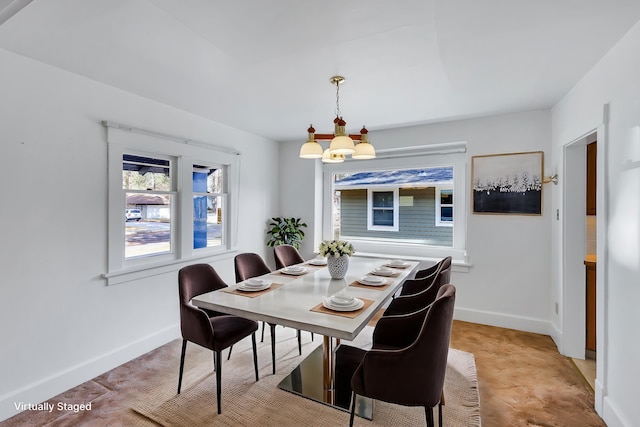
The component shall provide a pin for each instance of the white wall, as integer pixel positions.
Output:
(613, 81)
(60, 325)
(509, 282)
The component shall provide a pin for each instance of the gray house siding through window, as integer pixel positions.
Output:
(416, 222)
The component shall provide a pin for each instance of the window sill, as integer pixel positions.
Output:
(150, 270)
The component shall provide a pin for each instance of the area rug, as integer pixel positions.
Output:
(246, 402)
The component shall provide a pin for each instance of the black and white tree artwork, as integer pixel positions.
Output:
(508, 183)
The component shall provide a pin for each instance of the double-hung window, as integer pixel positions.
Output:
(382, 212)
(169, 202)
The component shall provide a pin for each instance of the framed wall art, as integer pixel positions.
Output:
(507, 183)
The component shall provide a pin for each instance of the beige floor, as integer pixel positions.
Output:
(523, 381)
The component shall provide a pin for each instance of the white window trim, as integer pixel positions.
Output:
(439, 222)
(396, 209)
(415, 157)
(184, 154)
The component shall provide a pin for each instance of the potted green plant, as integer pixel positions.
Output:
(286, 231)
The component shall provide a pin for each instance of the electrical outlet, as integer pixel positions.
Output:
(558, 214)
(556, 308)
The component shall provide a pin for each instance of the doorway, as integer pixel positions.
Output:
(574, 251)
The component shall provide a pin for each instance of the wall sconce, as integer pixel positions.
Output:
(553, 178)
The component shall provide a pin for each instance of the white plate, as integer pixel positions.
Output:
(318, 261)
(256, 283)
(294, 271)
(342, 301)
(357, 305)
(397, 263)
(242, 287)
(383, 271)
(372, 281)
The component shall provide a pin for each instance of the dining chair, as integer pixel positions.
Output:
(248, 265)
(444, 264)
(286, 255)
(419, 293)
(408, 359)
(215, 333)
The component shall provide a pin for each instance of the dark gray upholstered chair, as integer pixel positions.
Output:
(286, 255)
(248, 265)
(444, 265)
(215, 333)
(408, 359)
(418, 293)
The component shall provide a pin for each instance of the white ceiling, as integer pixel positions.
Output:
(264, 66)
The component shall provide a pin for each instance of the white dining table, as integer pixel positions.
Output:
(291, 305)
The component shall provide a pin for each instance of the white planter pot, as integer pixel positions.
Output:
(338, 266)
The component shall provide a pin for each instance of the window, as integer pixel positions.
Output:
(444, 207)
(148, 194)
(169, 202)
(405, 205)
(382, 212)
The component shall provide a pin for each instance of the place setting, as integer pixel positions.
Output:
(385, 272)
(397, 263)
(371, 281)
(253, 287)
(341, 304)
(294, 270)
(319, 261)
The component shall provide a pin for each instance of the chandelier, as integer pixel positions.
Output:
(342, 144)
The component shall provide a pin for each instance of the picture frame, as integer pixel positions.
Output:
(509, 183)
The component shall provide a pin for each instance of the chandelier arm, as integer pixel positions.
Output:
(329, 136)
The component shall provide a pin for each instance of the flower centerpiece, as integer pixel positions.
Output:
(337, 253)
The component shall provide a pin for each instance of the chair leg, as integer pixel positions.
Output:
(353, 408)
(299, 342)
(255, 354)
(218, 362)
(428, 412)
(272, 327)
(184, 350)
(311, 336)
(262, 336)
(229, 356)
(440, 414)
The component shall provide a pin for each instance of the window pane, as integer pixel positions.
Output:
(145, 173)
(383, 199)
(383, 217)
(207, 221)
(446, 197)
(147, 224)
(446, 213)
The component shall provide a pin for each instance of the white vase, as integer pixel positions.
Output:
(338, 266)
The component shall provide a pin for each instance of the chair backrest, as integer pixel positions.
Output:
(286, 255)
(424, 362)
(443, 265)
(248, 265)
(426, 290)
(195, 280)
(445, 270)
(428, 355)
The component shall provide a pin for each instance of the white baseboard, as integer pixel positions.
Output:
(556, 336)
(612, 415)
(62, 381)
(503, 320)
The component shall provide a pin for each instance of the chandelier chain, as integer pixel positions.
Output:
(337, 98)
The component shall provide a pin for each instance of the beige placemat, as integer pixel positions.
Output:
(379, 288)
(252, 294)
(350, 314)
